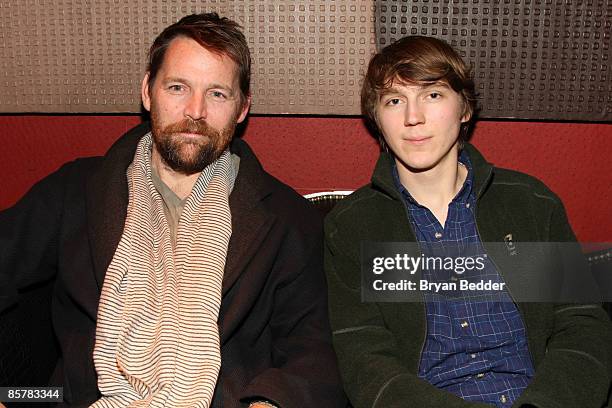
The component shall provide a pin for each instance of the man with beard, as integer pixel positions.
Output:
(185, 275)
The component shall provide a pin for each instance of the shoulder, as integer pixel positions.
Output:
(70, 175)
(83, 166)
(515, 201)
(48, 201)
(367, 204)
(362, 201)
(256, 188)
(260, 195)
(290, 207)
(514, 185)
(367, 214)
(498, 185)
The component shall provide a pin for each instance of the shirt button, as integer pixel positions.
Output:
(473, 355)
(482, 375)
(467, 205)
(438, 235)
(464, 324)
(503, 399)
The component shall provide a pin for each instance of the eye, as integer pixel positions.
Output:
(176, 88)
(218, 95)
(435, 95)
(393, 102)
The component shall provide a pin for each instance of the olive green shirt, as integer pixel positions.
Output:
(173, 205)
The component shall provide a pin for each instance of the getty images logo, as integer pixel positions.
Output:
(510, 245)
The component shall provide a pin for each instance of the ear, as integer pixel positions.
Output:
(467, 113)
(244, 109)
(144, 92)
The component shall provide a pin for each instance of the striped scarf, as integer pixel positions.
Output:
(157, 339)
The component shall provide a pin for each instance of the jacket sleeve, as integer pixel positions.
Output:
(28, 238)
(304, 372)
(372, 370)
(576, 369)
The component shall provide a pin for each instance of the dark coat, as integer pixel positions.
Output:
(379, 344)
(273, 323)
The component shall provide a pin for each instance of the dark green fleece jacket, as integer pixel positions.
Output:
(379, 344)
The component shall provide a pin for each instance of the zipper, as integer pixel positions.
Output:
(424, 306)
(499, 270)
(424, 338)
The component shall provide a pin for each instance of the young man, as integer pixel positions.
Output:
(185, 275)
(432, 188)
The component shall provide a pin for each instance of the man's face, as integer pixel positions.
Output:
(195, 105)
(420, 124)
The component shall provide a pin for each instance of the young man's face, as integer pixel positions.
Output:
(421, 124)
(195, 105)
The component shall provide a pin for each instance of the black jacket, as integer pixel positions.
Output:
(379, 344)
(274, 329)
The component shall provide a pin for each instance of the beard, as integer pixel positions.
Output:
(192, 155)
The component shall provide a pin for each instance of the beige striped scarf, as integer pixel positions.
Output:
(157, 339)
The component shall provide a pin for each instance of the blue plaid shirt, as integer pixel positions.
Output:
(475, 348)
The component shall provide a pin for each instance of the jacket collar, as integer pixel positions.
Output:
(251, 220)
(107, 200)
(382, 178)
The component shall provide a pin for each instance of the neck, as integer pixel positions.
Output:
(181, 184)
(436, 187)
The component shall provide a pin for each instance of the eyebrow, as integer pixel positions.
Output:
(394, 90)
(174, 79)
(437, 84)
(390, 90)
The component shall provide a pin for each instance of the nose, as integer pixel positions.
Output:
(195, 107)
(414, 114)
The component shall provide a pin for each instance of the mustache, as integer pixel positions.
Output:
(199, 127)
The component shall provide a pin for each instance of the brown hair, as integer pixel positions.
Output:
(422, 61)
(219, 35)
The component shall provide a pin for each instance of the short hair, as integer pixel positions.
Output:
(417, 60)
(218, 35)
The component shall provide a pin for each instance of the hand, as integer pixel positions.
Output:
(258, 404)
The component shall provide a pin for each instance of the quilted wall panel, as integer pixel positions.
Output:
(81, 56)
(533, 59)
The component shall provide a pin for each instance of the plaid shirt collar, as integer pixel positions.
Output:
(463, 196)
